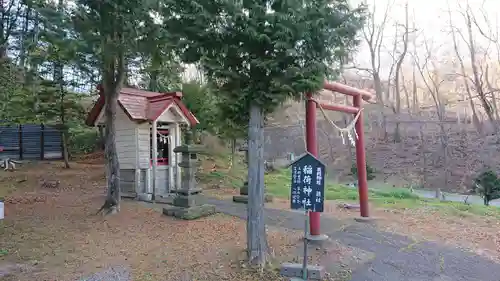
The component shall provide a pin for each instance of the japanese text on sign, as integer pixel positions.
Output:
(307, 190)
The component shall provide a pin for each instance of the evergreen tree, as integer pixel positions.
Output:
(259, 54)
(111, 31)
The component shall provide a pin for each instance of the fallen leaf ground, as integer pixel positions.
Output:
(53, 234)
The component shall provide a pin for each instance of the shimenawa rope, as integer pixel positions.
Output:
(347, 130)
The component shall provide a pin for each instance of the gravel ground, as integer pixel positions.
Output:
(115, 273)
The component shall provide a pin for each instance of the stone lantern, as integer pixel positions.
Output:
(188, 202)
(243, 197)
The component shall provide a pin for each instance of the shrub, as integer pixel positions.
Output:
(83, 140)
(487, 185)
(398, 193)
(370, 172)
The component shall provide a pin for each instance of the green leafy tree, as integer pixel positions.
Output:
(259, 54)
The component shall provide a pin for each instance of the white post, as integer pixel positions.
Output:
(137, 164)
(154, 135)
(177, 156)
(148, 182)
(171, 161)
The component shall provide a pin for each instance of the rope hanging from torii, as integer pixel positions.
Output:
(349, 129)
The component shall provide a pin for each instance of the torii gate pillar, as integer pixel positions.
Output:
(312, 144)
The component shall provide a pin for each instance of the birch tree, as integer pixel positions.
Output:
(488, 30)
(399, 59)
(467, 82)
(433, 81)
(476, 75)
(373, 35)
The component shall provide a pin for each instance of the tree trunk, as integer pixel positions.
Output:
(112, 164)
(494, 105)
(102, 139)
(475, 119)
(59, 75)
(399, 64)
(153, 81)
(477, 77)
(423, 170)
(233, 151)
(256, 230)
(380, 99)
(24, 37)
(397, 132)
(65, 148)
(59, 79)
(440, 107)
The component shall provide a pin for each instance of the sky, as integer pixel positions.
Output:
(432, 21)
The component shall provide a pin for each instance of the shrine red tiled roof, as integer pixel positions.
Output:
(140, 105)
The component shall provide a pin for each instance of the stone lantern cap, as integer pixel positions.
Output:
(244, 147)
(189, 148)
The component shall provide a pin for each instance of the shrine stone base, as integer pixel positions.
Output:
(244, 198)
(190, 213)
(164, 200)
(189, 205)
(317, 239)
(244, 189)
(294, 270)
(365, 219)
(146, 197)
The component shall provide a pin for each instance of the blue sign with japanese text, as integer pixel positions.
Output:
(308, 184)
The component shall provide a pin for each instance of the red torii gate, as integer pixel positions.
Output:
(312, 145)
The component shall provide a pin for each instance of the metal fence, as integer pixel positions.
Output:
(30, 142)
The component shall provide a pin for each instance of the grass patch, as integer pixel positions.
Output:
(4, 252)
(215, 170)
(463, 210)
(278, 184)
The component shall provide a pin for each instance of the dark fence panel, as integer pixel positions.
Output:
(9, 141)
(52, 143)
(30, 142)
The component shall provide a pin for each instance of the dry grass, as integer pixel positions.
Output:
(58, 237)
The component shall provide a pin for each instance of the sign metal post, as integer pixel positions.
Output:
(307, 194)
(304, 261)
